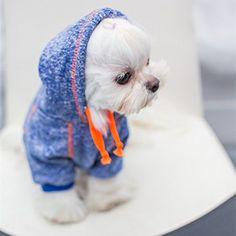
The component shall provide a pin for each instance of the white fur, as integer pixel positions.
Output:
(99, 195)
(104, 194)
(61, 206)
(115, 46)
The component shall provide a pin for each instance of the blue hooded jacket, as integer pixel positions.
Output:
(57, 135)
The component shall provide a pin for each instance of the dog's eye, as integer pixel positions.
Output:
(148, 60)
(123, 78)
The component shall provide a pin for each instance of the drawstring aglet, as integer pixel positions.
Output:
(105, 160)
(119, 150)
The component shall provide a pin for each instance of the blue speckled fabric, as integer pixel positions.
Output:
(56, 132)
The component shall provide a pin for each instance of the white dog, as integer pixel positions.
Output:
(120, 77)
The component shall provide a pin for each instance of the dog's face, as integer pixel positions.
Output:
(119, 74)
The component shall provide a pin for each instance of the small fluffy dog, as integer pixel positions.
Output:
(94, 73)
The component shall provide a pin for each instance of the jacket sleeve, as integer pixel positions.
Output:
(47, 152)
(53, 174)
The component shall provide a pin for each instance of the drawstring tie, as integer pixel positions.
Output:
(98, 138)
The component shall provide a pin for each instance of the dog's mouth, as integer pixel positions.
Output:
(148, 102)
(127, 108)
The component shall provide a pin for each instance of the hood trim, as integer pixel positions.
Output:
(73, 67)
(77, 72)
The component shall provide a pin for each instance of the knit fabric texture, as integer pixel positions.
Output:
(56, 131)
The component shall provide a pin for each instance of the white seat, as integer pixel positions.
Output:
(181, 169)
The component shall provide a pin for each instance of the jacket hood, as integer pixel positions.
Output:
(62, 71)
(62, 63)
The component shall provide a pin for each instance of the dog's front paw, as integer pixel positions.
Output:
(61, 206)
(105, 194)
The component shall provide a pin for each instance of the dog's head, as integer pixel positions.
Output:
(119, 74)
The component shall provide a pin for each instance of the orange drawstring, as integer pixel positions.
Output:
(115, 135)
(98, 139)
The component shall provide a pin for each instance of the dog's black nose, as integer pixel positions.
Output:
(153, 85)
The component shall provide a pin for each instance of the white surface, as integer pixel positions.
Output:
(180, 169)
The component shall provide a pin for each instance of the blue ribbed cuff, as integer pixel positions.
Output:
(52, 188)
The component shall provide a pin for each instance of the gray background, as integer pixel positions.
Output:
(215, 32)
